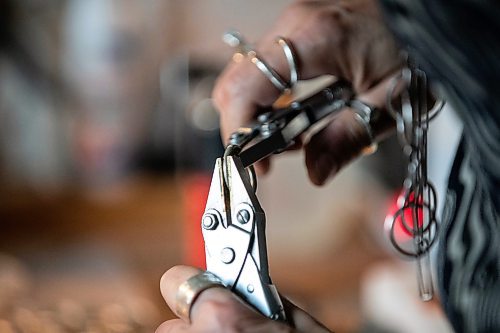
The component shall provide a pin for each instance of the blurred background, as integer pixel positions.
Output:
(107, 142)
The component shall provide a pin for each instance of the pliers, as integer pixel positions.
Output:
(233, 223)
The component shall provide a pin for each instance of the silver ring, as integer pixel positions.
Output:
(243, 49)
(365, 115)
(290, 58)
(190, 290)
(270, 73)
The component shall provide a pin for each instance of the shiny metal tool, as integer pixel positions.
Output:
(233, 224)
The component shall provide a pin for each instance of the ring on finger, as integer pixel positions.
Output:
(243, 49)
(290, 58)
(190, 289)
(366, 115)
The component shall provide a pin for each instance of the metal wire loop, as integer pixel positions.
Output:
(243, 49)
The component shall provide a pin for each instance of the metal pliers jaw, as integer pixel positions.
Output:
(234, 231)
(234, 223)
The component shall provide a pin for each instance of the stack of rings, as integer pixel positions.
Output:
(243, 49)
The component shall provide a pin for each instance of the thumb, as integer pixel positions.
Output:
(218, 309)
(211, 307)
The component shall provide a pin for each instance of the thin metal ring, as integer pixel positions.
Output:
(190, 290)
(234, 39)
(268, 72)
(290, 58)
(414, 230)
(364, 114)
(405, 77)
(431, 233)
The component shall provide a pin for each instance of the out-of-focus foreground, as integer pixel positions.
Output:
(107, 140)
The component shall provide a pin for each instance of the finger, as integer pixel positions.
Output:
(171, 280)
(335, 145)
(210, 305)
(242, 88)
(377, 98)
(218, 309)
(173, 326)
(345, 137)
(239, 93)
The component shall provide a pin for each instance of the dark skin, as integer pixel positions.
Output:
(341, 38)
(346, 39)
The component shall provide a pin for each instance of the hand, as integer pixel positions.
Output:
(219, 310)
(343, 38)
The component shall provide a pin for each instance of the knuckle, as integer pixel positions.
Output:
(333, 22)
(321, 16)
(324, 32)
